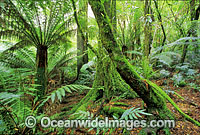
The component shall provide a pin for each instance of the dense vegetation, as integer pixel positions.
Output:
(99, 58)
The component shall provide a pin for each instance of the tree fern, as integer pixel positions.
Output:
(25, 58)
(30, 23)
(165, 57)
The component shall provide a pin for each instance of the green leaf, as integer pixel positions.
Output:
(126, 117)
(59, 95)
(62, 91)
(67, 89)
(130, 116)
(134, 116)
(53, 97)
(138, 114)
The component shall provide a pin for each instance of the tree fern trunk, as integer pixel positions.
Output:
(41, 75)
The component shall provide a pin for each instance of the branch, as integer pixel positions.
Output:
(160, 19)
(80, 29)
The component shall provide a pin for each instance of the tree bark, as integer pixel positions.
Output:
(151, 94)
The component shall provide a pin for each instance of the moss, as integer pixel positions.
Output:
(121, 104)
(67, 108)
(152, 95)
(84, 102)
(182, 83)
(113, 110)
(173, 103)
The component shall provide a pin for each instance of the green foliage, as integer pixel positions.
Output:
(25, 58)
(49, 23)
(147, 68)
(18, 98)
(164, 73)
(185, 73)
(133, 113)
(33, 24)
(83, 115)
(17, 91)
(22, 58)
(60, 92)
(165, 59)
(194, 86)
(178, 80)
(87, 74)
(182, 67)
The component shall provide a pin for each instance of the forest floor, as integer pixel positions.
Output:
(190, 105)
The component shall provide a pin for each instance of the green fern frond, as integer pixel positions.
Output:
(133, 113)
(60, 92)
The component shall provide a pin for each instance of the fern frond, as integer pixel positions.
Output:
(60, 92)
(133, 113)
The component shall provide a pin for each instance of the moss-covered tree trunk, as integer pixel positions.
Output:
(123, 66)
(147, 28)
(81, 44)
(107, 81)
(152, 95)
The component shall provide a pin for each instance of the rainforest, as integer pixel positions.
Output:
(131, 66)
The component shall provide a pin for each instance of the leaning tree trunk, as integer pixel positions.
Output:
(41, 75)
(152, 95)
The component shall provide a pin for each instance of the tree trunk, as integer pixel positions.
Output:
(161, 23)
(81, 44)
(192, 31)
(152, 95)
(147, 28)
(107, 81)
(110, 8)
(124, 68)
(41, 75)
